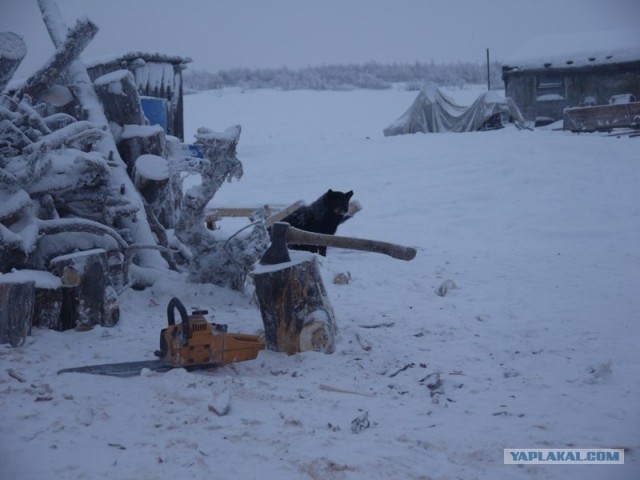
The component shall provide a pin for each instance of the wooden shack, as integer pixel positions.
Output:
(548, 74)
(159, 81)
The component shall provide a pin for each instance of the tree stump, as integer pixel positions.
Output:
(139, 140)
(119, 96)
(47, 295)
(295, 308)
(17, 299)
(88, 296)
(12, 51)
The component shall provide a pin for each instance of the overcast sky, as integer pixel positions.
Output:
(222, 34)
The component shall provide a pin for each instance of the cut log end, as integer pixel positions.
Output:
(317, 337)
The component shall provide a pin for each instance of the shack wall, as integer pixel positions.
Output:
(154, 78)
(600, 83)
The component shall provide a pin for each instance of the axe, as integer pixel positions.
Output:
(282, 234)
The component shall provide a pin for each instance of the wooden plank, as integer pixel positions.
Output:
(602, 117)
(276, 212)
(214, 215)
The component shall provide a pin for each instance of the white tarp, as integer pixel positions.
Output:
(434, 111)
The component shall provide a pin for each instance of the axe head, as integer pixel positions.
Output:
(277, 251)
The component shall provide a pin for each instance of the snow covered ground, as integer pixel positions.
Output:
(535, 348)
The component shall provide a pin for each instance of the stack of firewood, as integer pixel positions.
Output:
(91, 196)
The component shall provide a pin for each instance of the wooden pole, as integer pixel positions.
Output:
(488, 72)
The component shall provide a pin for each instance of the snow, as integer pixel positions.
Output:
(40, 278)
(152, 167)
(12, 202)
(536, 348)
(133, 131)
(114, 80)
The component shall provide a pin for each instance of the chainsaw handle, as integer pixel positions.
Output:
(175, 303)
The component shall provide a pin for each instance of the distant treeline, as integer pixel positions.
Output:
(344, 77)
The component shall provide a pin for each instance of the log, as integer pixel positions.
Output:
(119, 95)
(12, 52)
(151, 178)
(48, 301)
(77, 189)
(13, 206)
(47, 295)
(88, 296)
(58, 121)
(76, 41)
(117, 269)
(294, 305)
(137, 140)
(17, 299)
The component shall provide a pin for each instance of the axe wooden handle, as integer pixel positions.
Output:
(295, 236)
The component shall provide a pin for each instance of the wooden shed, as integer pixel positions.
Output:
(548, 74)
(159, 81)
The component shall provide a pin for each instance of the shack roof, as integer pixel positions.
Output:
(568, 51)
(132, 56)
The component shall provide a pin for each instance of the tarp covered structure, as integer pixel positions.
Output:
(435, 111)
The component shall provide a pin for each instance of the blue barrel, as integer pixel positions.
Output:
(156, 110)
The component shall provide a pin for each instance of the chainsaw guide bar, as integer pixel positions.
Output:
(124, 369)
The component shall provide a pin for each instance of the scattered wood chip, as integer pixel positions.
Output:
(13, 374)
(329, 388)
(342, 278)
(221, 404)
(407, 366)
(220, 411)
(435, 383)
(366, 346)
(360, 423)
(444, 288)
(378, 325)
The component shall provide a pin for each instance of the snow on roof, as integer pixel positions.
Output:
(132, 56)
(576, 50)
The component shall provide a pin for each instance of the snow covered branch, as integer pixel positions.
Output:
(75, 42)
(223, 262)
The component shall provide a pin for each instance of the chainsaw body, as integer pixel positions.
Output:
(196, 342)
(193, 343)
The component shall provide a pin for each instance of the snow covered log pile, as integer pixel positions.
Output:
(90, 194)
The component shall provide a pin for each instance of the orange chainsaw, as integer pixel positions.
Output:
(192, 344)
